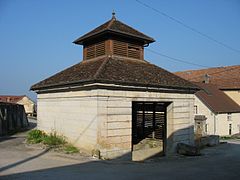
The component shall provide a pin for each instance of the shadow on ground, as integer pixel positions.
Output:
(221, 162)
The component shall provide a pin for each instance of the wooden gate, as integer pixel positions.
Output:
(12, 118)
(149, 122)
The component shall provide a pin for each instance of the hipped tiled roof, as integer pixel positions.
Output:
(11, 99)
(216, 100)
(116, 70)
(224, 77)
(115, 26)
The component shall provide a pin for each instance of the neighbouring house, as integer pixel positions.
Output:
(12, 118)
(215, 112)
(225, 78)
(114, 101)
(24, 100)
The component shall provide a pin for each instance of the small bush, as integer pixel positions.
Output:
(70, 149)
(35, 136)
(226, 137)
(53, 140)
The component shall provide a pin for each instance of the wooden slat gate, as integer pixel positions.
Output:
(148, 121)
(12, 118)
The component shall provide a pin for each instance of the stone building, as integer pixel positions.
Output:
(114, 101)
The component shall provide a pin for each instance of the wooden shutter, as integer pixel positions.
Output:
(119, 48)
(100, 49)
(133, 51)
(90, 51)
(95, 50)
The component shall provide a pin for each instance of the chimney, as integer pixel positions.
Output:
(206, 78)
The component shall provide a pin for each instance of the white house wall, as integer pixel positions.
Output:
(218, 124)
(28, 105)
(102, 119)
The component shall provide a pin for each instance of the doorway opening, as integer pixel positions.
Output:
(149, 128)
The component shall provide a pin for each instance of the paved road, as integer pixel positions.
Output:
(18, 161)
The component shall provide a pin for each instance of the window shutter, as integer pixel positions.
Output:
(120, 48)
(90, 51)
(95, 50)
(133, 51)
(100, 49)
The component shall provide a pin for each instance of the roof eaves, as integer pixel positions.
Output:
(133, 35)
(83, 38)
(95, 80)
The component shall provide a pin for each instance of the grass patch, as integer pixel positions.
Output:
(53, 140)
(230, 137)
(35, 136)
(225, 137)
(70, 149)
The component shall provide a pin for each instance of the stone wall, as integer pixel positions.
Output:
(115, 114)
(102, 119)
(71, 114)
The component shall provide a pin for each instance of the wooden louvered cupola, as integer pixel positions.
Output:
(114, 38)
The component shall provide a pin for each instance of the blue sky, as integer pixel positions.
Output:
(36, 36)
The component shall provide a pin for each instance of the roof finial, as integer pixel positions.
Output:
(113, 14)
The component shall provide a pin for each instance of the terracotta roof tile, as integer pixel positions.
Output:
(116, 70)
(10, 99)
(224, 77)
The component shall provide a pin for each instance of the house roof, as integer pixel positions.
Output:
(11, 99)
(115, 70)
(115, 27)
(227, 77)
(216, 100)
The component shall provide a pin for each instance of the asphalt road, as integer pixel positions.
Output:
(18, 161)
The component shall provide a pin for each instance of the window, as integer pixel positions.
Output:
(206, 128)
(229, 116)
(230, 129)
(195, 109)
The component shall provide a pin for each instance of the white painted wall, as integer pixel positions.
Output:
(71, 114)
(102, 119)
(218, 124)
(28, 105)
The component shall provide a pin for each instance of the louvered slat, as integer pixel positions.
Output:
(90, 51)
(100, 49)
(119, 48)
